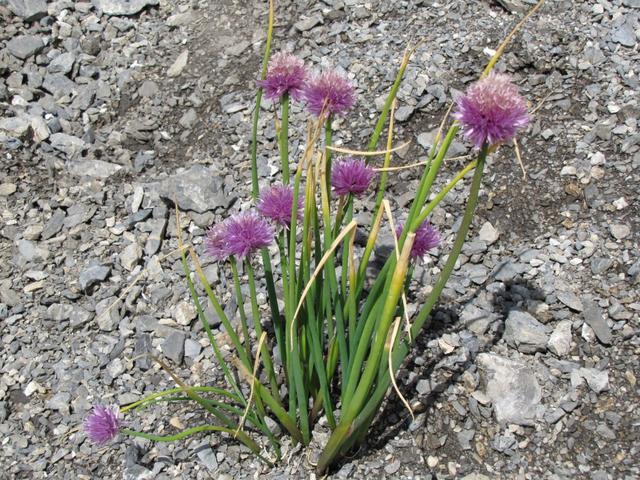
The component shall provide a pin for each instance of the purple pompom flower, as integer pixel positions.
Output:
(330, 92)
(102, 424)
(244, 233)
(351, 176)
(427, 237)
(492, 110)
(286, 74)
(215, 243)
(276, 203)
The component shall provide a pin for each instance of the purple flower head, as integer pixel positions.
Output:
(102, 424)
(427, 237)
(276, 204)
(329, 91)
(246, 232)
(492, 110)
(350, 176)
(215, 243)
(285, 74)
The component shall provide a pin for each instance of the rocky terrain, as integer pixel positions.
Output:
(111, 110)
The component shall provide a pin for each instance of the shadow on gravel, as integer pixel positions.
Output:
(394, 417)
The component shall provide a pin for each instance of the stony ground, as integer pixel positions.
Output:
(111, 109)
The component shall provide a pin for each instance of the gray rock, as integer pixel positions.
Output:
(620, 231)
(30, 251)
(631, 3)
(143, 346)
(40, 129)
(29, 10)
(148, 89)
(594, 317)
(58, 85)
(178, 65)
(94, 168)
(122, 7)
(173, 347)
(488, 234)
(64, 311)
(512, 387)
(192, 348)
(68, 144)
(208, 458)
(600, 265)
(130, 256)
(560, 340)
(507, 272)
(63, 63)
(571, 300)
(198, 189)
(24, 46)
(93, 275)
(597, 380)
(154, 240)
(525, 332)
(189, 118)
(308, 23)
(7, 189)
(624, 34)
(15, 126)
(404, 113)
(108, 314)
(180, 19)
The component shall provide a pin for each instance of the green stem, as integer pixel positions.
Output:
(243, 313)
(284, 139)
(255, 311)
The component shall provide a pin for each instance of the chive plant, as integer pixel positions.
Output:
(332, 349)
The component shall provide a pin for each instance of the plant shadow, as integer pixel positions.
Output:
(394, 417)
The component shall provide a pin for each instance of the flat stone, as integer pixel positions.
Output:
(594, 317)
(59, 85)
(24, 46)
(597, 380)
(620, 231)
(130, 256)
(154, 240)
(178, 65)
(488, 234)
(93, 275)
(198, 189)
(143, 346)
(15, 126)
(30, 251)
(308, 23)
(624, 34)
(404, 113)
(189, 118)
(180, 19)
(63, 63)
(68, 144)
(29, 10)
(512, 388)
(571, 300)
(560, 340)
(40, 129)
(53, 225)
(148, 89)
(107, 314)
(94, 168)
(600, 265)
(123, 7)
(7, 189)
(173, 347)
(525, 333)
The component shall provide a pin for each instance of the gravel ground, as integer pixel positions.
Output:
(110, 108)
